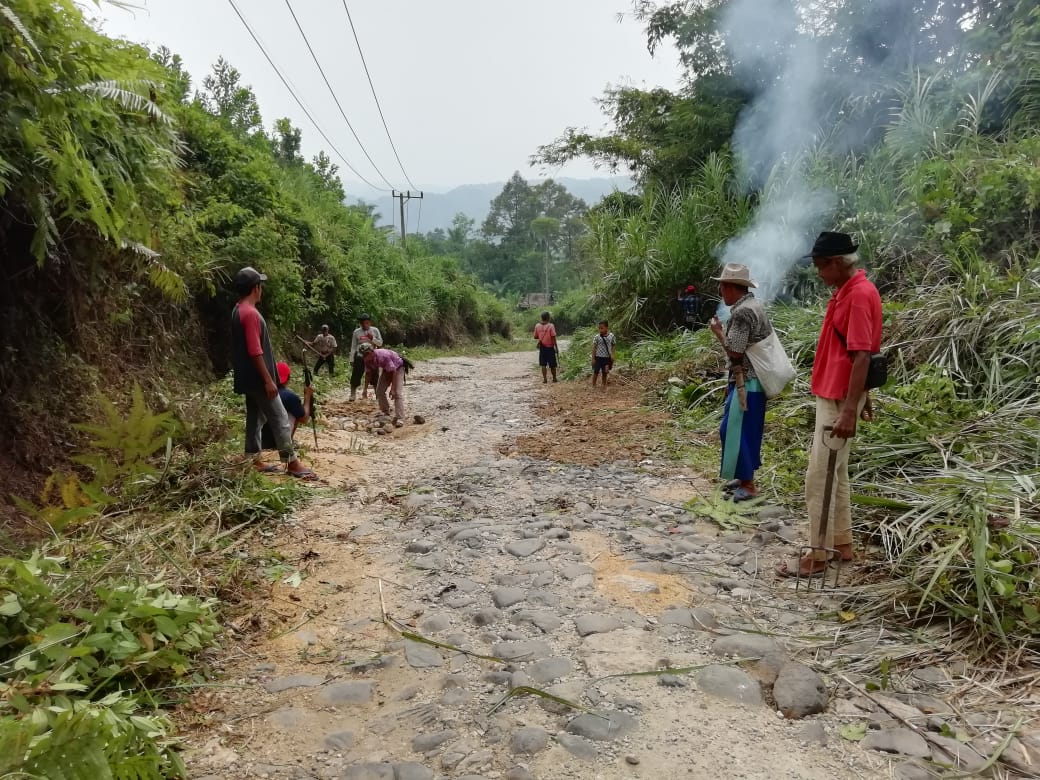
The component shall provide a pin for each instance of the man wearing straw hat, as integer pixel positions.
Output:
(850, 334)
(744, 418)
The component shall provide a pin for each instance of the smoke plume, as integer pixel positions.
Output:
(786, 70)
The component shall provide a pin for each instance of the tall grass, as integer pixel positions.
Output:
(946, 478)
(670, 241)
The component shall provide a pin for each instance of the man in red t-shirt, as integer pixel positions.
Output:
(851, 332)
(545, 335)
(252, 362)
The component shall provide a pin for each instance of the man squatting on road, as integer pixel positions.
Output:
(391, 375)
(850, 334)
(299, 410)
(254, 370)
(744, 418)
(366, 333)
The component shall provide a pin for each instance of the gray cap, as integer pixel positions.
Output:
(248, 278)
(365, 347)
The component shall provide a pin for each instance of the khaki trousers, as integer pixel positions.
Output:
(391, 380)
(839, 524)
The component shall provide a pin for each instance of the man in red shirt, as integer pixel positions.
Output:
(851, 332)
(252, 361)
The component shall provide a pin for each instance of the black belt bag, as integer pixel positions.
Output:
(877, 370)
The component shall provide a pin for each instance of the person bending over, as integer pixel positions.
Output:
(299, 411)
(391, 377)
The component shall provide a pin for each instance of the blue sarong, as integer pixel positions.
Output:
(742, 432)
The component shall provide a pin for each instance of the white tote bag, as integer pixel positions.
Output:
(771, 364)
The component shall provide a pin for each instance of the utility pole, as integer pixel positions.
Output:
(402, 197)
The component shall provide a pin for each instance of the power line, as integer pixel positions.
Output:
(332, 92)
(376, 99)
(299, 102)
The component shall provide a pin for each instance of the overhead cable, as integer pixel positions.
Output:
(332, 92)
(375, 97)
(299, 102)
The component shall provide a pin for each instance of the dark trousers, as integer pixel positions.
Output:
(259, 410)
(358, 371)
(328, 360)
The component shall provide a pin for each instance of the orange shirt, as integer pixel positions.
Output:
(546, 334)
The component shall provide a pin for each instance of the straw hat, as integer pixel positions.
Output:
(735, 273)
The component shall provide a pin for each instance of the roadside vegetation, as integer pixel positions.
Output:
(943, 195)
(130, 197)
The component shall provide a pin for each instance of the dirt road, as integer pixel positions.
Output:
(567, 576)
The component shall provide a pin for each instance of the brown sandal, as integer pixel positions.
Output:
(784, 569)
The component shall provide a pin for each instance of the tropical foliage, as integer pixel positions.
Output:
(129, 199)
(934, 169)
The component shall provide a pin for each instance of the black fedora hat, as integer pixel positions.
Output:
(829, 244)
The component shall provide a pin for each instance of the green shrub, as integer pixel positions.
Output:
(67, 660)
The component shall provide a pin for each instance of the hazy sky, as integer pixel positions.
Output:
(470, 88)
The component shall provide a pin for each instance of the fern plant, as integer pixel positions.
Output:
(120, 454)
(84, 140)
(122, 447)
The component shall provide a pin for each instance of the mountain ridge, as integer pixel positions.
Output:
(438, 209)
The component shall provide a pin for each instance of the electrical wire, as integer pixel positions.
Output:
(372, 87)
(332, 92)
(299, 102)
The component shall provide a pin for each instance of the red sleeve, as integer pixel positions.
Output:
(250, 319)
(864, 325)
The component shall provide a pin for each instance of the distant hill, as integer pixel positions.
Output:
(474, 200)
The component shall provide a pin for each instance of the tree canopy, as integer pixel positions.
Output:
(733, 50)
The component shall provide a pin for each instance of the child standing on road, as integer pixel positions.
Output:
(545, 335)
(602, 353)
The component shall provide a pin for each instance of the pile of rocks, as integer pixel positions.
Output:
(378, 424)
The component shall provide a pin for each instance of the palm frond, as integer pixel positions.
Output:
(18, 25)
(125, 96)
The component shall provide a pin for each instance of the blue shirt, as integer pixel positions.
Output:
(292, 403)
